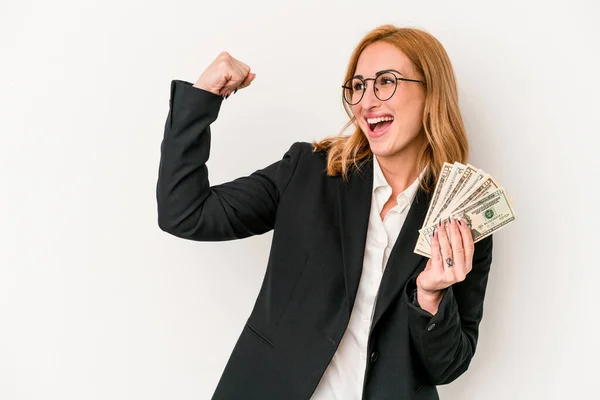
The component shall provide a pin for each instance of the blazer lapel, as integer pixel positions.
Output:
(354, 200)
(403, 261)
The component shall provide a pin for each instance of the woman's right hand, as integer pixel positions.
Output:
(225, 76)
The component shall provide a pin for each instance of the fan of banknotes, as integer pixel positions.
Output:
(471, 195)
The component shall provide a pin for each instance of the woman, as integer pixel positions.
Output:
(346, 310)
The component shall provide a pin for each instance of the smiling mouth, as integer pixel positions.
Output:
(378, 125)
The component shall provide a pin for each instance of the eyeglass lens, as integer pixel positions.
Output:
(385, 86)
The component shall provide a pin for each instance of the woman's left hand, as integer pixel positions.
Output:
(451, 260)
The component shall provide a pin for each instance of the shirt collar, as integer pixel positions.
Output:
(382, 190)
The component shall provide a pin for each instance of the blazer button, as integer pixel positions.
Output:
(430, 327)
(374, 356)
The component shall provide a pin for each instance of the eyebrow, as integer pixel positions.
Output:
(380, 72)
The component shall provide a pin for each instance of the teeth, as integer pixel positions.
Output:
(379, 119)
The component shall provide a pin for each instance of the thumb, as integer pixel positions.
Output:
(246, 82)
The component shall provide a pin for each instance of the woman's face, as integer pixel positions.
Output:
(404, 134)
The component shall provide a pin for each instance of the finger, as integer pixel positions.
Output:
(456, 242)
(467, 239)
(233, 82)
(235, 76)
(247, 81)
(244, 68)
(437, 264)
(236, 72)
(241, 72)
(225, 92)
(445, 246)
(458, 252)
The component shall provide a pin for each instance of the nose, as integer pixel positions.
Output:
(369, 99)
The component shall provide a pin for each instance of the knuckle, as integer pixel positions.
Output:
(460, 276)
(225, 63)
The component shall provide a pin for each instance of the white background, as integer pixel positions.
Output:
(97, 303)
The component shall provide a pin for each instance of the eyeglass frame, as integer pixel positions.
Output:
(364, 81)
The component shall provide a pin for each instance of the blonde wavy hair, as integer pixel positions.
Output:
(446, 138)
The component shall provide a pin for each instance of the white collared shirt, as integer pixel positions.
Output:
(343, 378)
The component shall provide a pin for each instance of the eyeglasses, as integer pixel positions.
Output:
(384, 87)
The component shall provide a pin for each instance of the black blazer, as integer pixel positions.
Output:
(319, 230)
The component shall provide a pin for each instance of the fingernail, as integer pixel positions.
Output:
(235, 91)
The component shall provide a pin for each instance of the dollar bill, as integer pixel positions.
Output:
(449, 187)
(470, 184)
(461, 177)
(486, 215)
(486, 185)
(464, 179)
(422, 253)
(437, 196)
(442, 178)
(471, 194)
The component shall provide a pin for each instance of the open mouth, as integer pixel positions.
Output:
(378, 126)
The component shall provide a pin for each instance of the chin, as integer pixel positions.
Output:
(383, 148)
(384, 153)
(390, 148)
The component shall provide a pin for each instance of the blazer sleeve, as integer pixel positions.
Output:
(188, 207)
(446, 342)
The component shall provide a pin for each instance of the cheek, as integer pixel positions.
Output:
(355, 112)
(410, 113)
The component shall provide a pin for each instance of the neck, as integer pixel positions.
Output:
(399, 172)
(400, 169)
